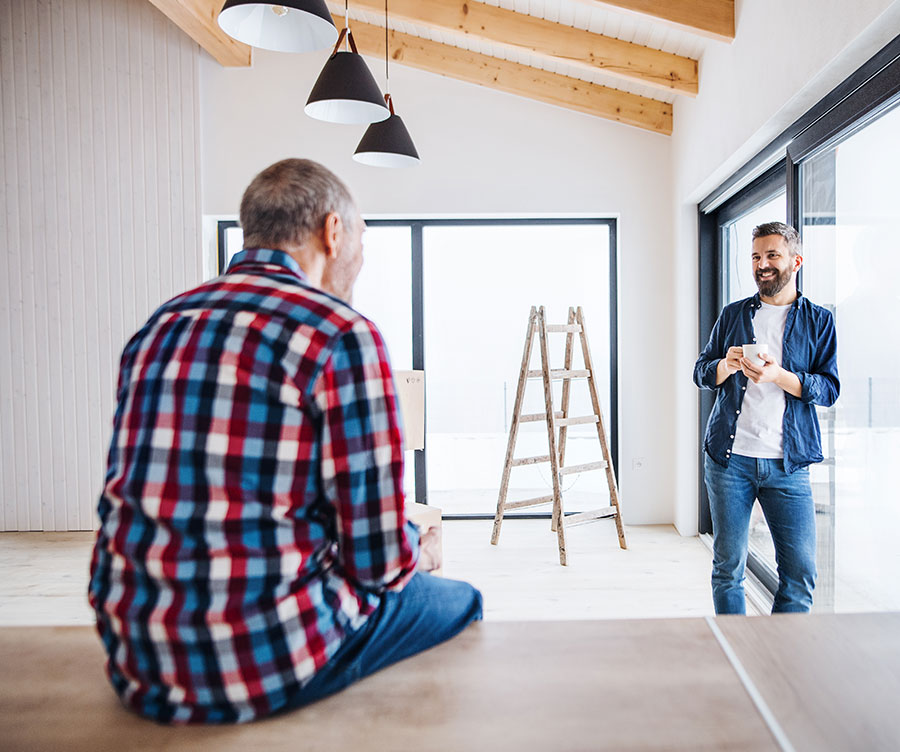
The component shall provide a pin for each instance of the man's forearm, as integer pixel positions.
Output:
(722, 371)
(789, 382)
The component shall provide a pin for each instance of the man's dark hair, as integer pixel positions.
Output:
(790, 235)
(289, 200)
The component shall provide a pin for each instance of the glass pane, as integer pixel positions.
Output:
(383, 293)
(851, 226)
(383, 290)
(480, 283)
(738, 243)
(739, 284)
(234, 241)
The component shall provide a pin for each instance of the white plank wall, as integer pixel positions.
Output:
(99, 224)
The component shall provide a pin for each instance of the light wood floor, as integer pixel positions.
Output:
(43, 576)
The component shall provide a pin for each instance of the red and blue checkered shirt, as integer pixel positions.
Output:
(252, 513)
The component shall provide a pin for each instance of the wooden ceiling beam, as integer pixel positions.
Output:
(710, 18)
(197, 19)
(551, 41)
(513, 78)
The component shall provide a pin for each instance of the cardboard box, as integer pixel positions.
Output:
(411, 393)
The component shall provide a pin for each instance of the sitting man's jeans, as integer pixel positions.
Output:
(787, 503)
(428, 611)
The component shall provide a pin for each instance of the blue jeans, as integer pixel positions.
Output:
(787, 503)
(428, 611)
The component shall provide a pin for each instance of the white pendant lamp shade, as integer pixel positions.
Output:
(387, 143)
(345, 91)
(294, 26)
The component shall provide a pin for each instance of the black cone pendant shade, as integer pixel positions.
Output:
(387, 143)
(345, 91)
(292, 26)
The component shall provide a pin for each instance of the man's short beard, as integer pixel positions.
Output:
(772, 287)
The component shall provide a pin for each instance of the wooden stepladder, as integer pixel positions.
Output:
(558, 422)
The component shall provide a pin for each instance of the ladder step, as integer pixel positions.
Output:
(535, 417)
(596, 514)
(530, 460)
(563, 327)
(560, 373)
(578, 421)
(528, 502)
(582, 468)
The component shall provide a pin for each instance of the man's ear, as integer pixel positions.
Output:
(798, 262)
(332, 232)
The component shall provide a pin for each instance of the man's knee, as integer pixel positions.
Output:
(475, 603)
(451, 600)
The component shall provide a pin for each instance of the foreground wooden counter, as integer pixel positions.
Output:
(588, 685)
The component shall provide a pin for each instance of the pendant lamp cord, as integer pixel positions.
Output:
(347, 21)
(387, 73)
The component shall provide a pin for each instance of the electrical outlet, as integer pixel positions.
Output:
(637, 463)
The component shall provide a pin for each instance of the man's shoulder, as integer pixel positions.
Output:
(818, 313)
(821, 310)
(738, 306)
(303, 316)
(336, 323)
(292, 301)
(326, 311)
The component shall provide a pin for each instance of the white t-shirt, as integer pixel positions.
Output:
(759, 426)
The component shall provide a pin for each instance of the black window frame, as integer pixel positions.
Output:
(222, 227)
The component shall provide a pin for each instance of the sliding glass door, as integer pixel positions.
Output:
(469, 287)
(851, 231)
(480, 282)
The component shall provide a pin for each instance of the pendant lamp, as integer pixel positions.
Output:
(291, 26)
(387, 143)
(345, 91)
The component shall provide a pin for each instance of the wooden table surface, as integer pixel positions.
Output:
(830, 682)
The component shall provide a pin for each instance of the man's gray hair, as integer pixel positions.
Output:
(289, 201)
(790, 235)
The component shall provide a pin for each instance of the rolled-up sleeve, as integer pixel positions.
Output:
(362, 461)
(708, 361)
(821, 385)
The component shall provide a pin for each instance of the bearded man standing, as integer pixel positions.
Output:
(763, 432)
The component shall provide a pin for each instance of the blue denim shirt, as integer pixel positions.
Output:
(809, 350)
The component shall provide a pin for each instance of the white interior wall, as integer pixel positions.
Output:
(483, 153)
(86, 213)
(99, 223)
(786, 57)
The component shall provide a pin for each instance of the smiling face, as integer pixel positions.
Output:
(773, 266)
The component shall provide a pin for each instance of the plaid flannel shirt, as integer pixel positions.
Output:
(252, 512)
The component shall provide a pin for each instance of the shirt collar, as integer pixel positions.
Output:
(276, 261)
(756, 303)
